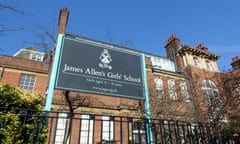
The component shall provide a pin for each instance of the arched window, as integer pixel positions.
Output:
(210, 91)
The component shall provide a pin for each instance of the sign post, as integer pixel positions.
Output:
(147, 103)
(50, 91)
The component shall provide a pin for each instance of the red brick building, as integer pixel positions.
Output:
(186, 85)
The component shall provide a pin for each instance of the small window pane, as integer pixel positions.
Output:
(107, 128)
(86, 134)
(159, 87)
(184, 91)
(60, 133)
(27, 82)
(36, 57)
(195, 61)
(238, 90)
(172, 89)
(208, 65)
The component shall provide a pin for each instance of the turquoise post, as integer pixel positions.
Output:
(147, 103)
(52, 79)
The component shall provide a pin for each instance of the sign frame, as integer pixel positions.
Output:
(94, 76)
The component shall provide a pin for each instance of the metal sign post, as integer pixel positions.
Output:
(147, 103)
(52, 80)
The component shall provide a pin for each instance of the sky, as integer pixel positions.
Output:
(137, 24)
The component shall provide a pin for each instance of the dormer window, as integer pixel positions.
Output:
(195, 62)
(36, 57)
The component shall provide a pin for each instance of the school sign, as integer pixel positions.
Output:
(94, 67)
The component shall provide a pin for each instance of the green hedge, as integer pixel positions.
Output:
(22, 120)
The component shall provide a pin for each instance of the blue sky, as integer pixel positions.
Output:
(145, 25)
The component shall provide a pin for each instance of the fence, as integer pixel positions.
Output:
(83, 128)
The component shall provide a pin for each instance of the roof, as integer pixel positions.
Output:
(23, 64)
(197, 52)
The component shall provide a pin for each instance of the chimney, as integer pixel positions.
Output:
(172, 43)
(62, 21)
(32, 48)
(171, 39)
(236, 62)
(235, 58)
(172, 46)
(202, 47)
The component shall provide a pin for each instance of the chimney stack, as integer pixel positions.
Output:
(235, 58)
(172, 46)
(62, 21)
(236, 62)
(202, 47)
(171, 39)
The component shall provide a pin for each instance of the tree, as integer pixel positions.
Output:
(221, 99)
(20, 117)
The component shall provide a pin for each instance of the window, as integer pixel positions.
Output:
(208, 65)
(27, 82)
(238, 90)
(107, 128)
(36, 57)
(184, 91)
(159, 87)
(210, 91)
(213, 100)
(61, 129)
(139, 134)
(86, 131)
(172, 89)
(195, 62)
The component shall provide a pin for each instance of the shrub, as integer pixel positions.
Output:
(21, 118)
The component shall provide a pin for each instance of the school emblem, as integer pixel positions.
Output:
(105, 59)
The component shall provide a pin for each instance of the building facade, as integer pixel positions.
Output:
(186, 85)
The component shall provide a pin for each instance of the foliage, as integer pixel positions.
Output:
(235, 123)
(21, 120)
(233, 127)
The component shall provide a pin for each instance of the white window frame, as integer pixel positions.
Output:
(36, 57)
(61, 128)
(172, 89)
(208, 65)
(196, 62)
(184, 90)
(27, 82)
(86, 130)
(139, 132)
(107, 128)
(210, 90)
(159, 87)
(238, 90)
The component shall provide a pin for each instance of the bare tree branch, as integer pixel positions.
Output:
(2, 6)
(45, 38)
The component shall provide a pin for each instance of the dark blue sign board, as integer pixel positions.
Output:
(94, 67)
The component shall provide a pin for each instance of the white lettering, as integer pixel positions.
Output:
(131, 79)
(72, 69)
(93, 71)
(114, 76)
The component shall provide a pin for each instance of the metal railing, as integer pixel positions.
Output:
(83, 128)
